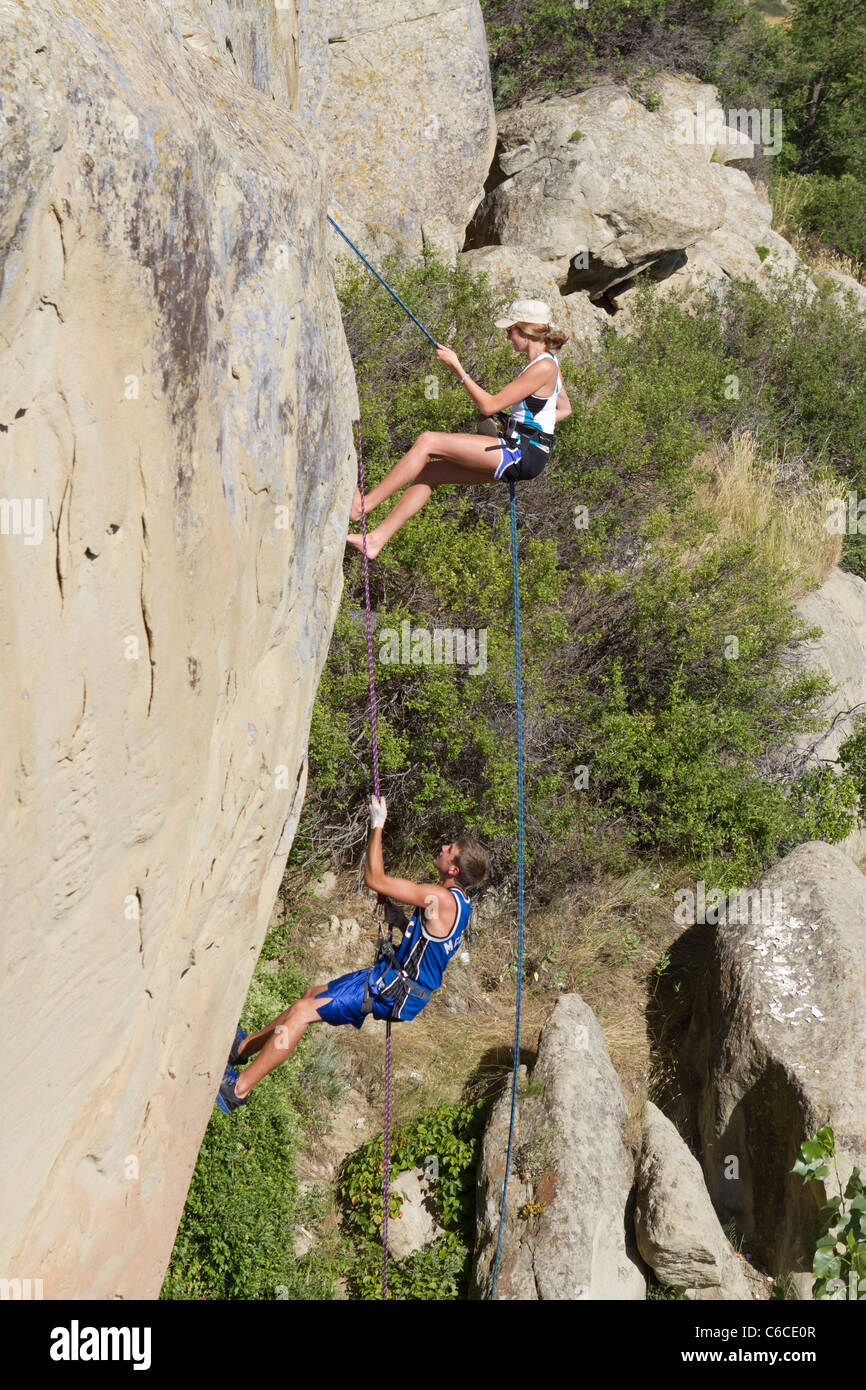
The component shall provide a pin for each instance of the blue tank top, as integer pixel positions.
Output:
(422, 956)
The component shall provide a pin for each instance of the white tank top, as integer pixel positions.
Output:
(538, 410)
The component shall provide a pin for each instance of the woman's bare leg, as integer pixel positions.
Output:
(434, 474)
(456, 448)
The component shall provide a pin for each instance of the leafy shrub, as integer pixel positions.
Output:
(624, 636)
(450, 1135)
(839, 1265)
(543, 46)
(834, 213)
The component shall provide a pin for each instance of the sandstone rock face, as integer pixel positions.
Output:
(520, 275)
(176, 401)
(569, 1188)
(678, 1233)
(695, 120)
(598, 175)
(255, 42)
(778, 1048)
(839, 609)
(401, 95)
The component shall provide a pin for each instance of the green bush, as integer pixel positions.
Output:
(625, 667)
(835, 214)
(538, 47)
(448, 1137)
(839, 1265)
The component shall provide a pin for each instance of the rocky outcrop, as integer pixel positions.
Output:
(777, 1046)
(518, 274)
(678, 1233)
(569, 1189)
(257, 43)
(596, 187)
(176, 401)
(401, 96)
(838, 608)
(600, 189)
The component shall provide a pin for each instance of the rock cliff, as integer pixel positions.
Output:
(176, 401)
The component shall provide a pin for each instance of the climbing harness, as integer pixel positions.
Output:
(400, 989)
(386, 1178)
(519, 684)
(520, 461)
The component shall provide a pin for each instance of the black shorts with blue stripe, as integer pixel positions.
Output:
(521, 459)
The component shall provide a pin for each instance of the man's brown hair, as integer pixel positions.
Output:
(474, 861)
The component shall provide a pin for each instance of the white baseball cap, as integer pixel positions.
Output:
(525, 311)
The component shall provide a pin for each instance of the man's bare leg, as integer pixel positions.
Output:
(278, 1040)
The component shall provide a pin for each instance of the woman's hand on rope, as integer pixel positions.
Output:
(449, 358)
(378, 812)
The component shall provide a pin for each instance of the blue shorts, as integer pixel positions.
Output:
(346, 994)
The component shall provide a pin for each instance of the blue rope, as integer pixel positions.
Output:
(517, 668)
(393, 293)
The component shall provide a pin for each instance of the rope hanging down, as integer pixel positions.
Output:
(386, 1179)
(517, 669)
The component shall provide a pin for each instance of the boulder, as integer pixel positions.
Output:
(695, 120)
(568, 1217)
(325, 886)
(520, 275)
(678, 1233)
(777, 1048)
(744, 247)
(176, 400)
(599, 175)
(848, 291)
(416, 1226)
(402, 99)
(839, 609)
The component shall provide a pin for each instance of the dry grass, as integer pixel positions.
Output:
(771, 503)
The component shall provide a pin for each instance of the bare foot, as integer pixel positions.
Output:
(373, 547)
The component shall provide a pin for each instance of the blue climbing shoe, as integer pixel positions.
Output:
(234, 1055)
(226, 1098)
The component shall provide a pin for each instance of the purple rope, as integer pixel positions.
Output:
(386, 1176)
(371, 676)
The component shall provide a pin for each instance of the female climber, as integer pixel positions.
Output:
(537, 400)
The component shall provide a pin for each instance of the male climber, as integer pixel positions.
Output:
(401, 981)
